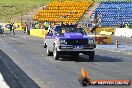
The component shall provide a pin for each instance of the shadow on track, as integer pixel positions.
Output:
(98, 58)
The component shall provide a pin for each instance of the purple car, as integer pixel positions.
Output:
(72, 42)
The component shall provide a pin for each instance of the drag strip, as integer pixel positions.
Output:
(27, 53)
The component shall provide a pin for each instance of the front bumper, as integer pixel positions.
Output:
(74, 51)
(76, 48)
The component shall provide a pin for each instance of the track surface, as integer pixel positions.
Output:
(44, 72)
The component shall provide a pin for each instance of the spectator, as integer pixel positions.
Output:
(11, 27)
(45, 7)
(28, 28)
(67, 23)
(46, 25)
(24, 27)
(62, 23)
(26, 24)
(99, 22)
(122, 25)
(93, 27)
(37, 25)
(71, 24)
(127, 25)
(49, 27)
(33, 25)
(41, 25)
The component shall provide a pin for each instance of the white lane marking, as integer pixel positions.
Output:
(3, 84)
(129, 53)
(113, 51)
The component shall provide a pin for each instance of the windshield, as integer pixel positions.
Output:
(70, 29)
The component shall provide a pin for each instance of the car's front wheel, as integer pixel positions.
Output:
(48, 52)
(56, 54)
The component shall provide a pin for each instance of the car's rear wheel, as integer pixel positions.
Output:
(44, 45)
(48, 52)
(56, 54)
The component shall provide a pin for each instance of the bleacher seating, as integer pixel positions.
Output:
(113, 13)
(66, 11)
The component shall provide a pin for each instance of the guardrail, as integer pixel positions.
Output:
(38, 32)
(107, 29)
(102, 39)
(124, 32)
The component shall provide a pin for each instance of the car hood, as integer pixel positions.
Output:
(73, 35)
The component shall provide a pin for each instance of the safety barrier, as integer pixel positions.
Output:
(125, 32)
(105, 33)
(107, 29)
(102, 39)
(38, 32)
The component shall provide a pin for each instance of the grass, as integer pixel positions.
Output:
(12, 8)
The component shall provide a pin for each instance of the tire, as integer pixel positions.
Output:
(56, 54)
(91, 56)
(44, 45)
(48, 52)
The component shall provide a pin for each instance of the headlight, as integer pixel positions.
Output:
(63, 41)
(91, 41)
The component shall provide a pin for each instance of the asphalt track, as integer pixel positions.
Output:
(25, 57)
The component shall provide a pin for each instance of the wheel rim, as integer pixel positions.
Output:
(54, 54)
(47, 51)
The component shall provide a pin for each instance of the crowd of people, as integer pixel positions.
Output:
(124, 25)
(32, 25)
(11, 26)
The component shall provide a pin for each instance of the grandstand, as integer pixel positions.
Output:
(112, 13)
(65, 11)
